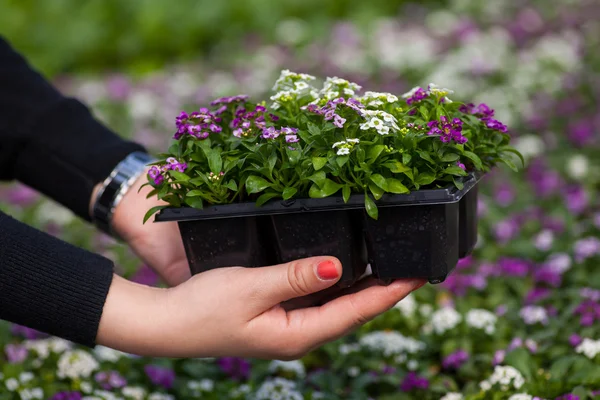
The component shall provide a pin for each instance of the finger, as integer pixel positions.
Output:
(297, 278)
(339, 317)
(361, 285)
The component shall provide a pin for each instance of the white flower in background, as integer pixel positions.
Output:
(407, 306)
(349, 348)
(91, 91)
(442, 22)
(353, 372)
(425, 310)
(86, 387)
(418, 48)
(506, 376)
(106, 395)
(318, 395)
(529, 146)
(103, 353)
(400, 358)
(482, 319)
(294, 366)
(76, 364)
(160, 396)
(588, 347)
(278, 388)
(242, 390)
(445, 319)
(452, 396)
(205, 385)
(292, 31)
(391, 343)
(559, 262)
(543, 241)
(376, 99)
(51, 212)
(534, 314)
(12, 384)
(92, 398)
(30, 394)
(135, 392)
(520, 396)
(26, 377)
(412, 365)
(43, 347)
(578, 167)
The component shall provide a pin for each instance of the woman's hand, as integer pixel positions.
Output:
(158, 245)
(238, 312)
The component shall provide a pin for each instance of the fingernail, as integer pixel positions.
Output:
(327, 270)
(417, 283)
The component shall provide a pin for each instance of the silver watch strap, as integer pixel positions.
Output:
(115, 186)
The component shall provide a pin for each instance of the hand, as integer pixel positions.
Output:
(158, 245)
(238, 311)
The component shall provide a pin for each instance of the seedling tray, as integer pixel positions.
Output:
(417, 235)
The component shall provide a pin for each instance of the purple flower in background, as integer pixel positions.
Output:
(498, 357)
(388, 370)
(513, 267)
(15, 353)
(548, 276)
(501, 310)
(586, 248)
(591, 294)
(145, 276)
(67, 396)
(230, 99)
(455, 360)
(27, 333)
(576, 199)
(270, 133)
(21, 195)
(589, 311)
(413, 381)
(597, 220)
(568, 396)
(460, 165)
(515, 343)
(506, 230)
(110, 380)
(118, 87)
(537, 294)
(544, 181)
(160, 376)
(236, 368)
(575, 340)
(581, 132)
(504, 194)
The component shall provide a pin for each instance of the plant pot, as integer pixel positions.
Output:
(417, 235)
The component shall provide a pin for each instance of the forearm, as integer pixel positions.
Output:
(51, 142)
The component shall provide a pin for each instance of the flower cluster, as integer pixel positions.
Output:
(485, 114)
(344, 147)
(290, 134)
(157, 174)
(381, 121)
(199, 124)
(504, 376)
(447, 130)
(245, 121)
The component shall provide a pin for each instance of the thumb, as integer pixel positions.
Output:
(298, 278)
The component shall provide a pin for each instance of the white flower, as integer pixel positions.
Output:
(349, 348)
(588, 347)
(544, 239)
(355, 141)
(240, 391)
(353, 371)
(106, 395)
(407, 306)
(505, 376)
(344, 151)
(160, 396)
(452, 396)
(295, 366)
(530, 146)
(12, 384)
(559, 262)
(412, 365)
(86, 387)
(76, 364)
(445, 319)
(534, 314)
(30, 394)
(425, 310)
(43, 347)
(578, 166)
(391, 343)
(520, 396)
(107, 354)
(205, 385)
(278, 388)
(411, 92)
(482, 319)
(135, 392)
(26, 377)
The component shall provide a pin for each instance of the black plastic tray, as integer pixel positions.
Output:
(417, 235)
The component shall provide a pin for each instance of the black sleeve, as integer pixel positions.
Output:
(50, 142)
(49, 285)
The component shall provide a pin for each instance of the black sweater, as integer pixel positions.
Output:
(53, 144)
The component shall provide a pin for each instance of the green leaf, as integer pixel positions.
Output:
(319, 162)
(194, 193)
(194, 202)
(329, 188)
(318, 178)
(360, 154)
(406, 157)
(425, 156)
(510, 164)
(395, 186)
(379, 181)
(455, 170)
(289, 192)
(153, 211)
(342, 160)
(263, 198)
(376, 191)
(179, 176)
(215, 163)
(396, 166)
(255, 184)
(475, 158)
(375, 151)
(515, 152)
(450, 157)
(425, 178)
(232, 185)
(521, 360)
(458, 183)
(272, 161)
(561, 367)
(293, 156)
(424, 112)
(346, 193)
(371, 207)
(313, 129)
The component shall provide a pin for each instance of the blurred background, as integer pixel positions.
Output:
(138, 63)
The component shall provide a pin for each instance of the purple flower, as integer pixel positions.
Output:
(591, 294)
(418, 95)
(270, 133)
(581, 132)
(498, 357)
(388, 370)
(291, 138)
(27, 333)
(537, 294)
(481, 111)
(412, 381)
(589, 312)
(15, 353)
(67, 396)
(110, 380)
(586, 248)
(501, 310)
(21, 195)
(495, 125)
(338, 121)
(548, 276)
(505, 194)
(236, 368)
(118, 87)
(513, 267)
(447, 130)
(575, 340)
(160, 376)
(145, 276)
(460, 165)
(576, 199)
(229, 100)
(515, 343)
(455, 360)
(544, 181)
(568, 396)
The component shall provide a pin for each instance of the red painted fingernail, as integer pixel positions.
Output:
(327, 270)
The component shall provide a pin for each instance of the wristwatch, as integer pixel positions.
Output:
(115, 186)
